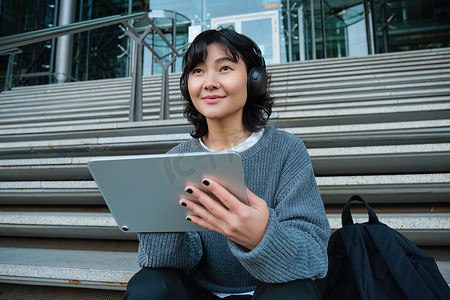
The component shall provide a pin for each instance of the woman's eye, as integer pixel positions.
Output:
(226, 68)
(196, 71)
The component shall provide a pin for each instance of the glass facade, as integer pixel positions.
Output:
(353, 28)
(20, 16)
(97, 54)
(285, 30)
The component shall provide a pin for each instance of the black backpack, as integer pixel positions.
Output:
(372, 261)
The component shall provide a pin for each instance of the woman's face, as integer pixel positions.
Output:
(218, 86)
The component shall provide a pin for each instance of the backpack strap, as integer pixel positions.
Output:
(347, 215)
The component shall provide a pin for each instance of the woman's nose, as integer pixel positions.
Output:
(211, 83)
(212, 86)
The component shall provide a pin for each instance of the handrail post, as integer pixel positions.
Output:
(9, 69)
(164, 103)
(9, 72)
(135, 113)
(164, 112)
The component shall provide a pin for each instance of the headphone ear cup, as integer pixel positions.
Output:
(257, 82)
(184, 86)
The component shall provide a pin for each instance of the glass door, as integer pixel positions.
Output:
(261, 27)
(338, 28)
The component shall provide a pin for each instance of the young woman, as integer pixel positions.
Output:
(272, 247)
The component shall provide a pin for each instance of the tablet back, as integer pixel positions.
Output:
(142, 192)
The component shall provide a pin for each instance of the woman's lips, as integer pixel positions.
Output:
(211, 99)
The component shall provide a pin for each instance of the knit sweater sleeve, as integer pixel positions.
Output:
(295, 243)
(178, 250)
(170, 250)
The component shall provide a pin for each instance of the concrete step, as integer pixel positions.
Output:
(106, 98)
(299, 70)
(381, 160)
(292, 101)
(366, 134)
(363, 70)
(285, 99)
(81, 269)
(295, 107)
(396, 188)
(350, 82)
(89, 269)
(349, 115)
(392, 159)
(300, 104)
(367, 64)
(410, 188)
(301, 107)
(45, 131)
(297, 76)
(429, 229)
(284, 108)
(378, 59)
(363, 134)
(436, 87)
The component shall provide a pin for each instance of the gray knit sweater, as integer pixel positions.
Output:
(277, 169)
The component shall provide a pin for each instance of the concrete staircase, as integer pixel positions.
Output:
(376, 126)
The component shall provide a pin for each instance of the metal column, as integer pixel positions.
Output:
(367, 23)
(64, 43)
(313, 32)
(288, 13)
(374, 26)
(324, 34)
(301, 33)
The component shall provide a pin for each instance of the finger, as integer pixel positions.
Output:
(214, 206)
(200, 215)
(228, 199)
(196, 208)
(202, 222)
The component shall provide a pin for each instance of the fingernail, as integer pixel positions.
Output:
(188, 219)
(205, 182)
(183, 204)
(189, 191)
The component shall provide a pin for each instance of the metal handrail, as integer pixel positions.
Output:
(11, 51)
(36, 36)
(135, 110)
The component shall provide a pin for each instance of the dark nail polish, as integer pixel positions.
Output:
(183, 204)
(205, 182)
(188, 219)
(189, 191)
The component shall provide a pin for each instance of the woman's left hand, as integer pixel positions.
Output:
(243, 224)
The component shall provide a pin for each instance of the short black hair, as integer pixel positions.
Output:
(256, 110)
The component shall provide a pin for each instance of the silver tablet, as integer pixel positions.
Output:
(142, 192)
